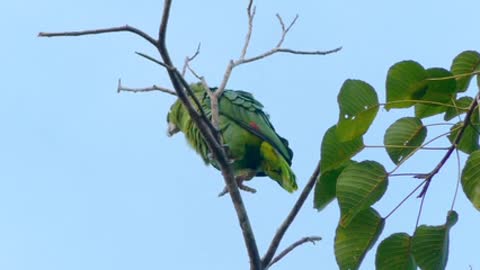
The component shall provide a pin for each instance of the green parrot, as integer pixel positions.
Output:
(252, 144)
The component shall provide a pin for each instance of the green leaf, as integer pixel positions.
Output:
(325, 189)
(430, 244)
(358, 187)
(353, 242)
(358, 104)
(471, 179)
(461, 106)
(335, 152)
(438, 91)
(469, 141)
(406, 81)
(403, 137)
(394, 253)
(464, 63)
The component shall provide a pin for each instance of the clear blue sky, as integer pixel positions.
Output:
(89, 179)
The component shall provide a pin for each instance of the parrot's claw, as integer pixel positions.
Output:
(240, 186)
(224, 191)
(246, 188)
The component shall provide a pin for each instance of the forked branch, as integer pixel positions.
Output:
(251, 11)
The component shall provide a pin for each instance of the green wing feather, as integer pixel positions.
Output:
(243, 109)
(239, 109)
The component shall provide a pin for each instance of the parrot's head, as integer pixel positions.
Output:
(172, 129)
(176, 118)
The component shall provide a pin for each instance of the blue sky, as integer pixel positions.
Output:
(89, 179)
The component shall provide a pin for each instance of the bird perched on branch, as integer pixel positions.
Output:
(252, 144)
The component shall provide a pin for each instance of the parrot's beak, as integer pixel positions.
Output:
(172, 129)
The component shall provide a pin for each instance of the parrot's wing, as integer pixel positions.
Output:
(243, 109)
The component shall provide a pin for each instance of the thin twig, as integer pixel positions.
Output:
(406, 147)
(189, 59)
(404, 199)
(251, 10)
(428, 102)
(459, 177)
(284, 30)
(311, 239)
(457, 76)
(267, 258)
(121, 88)
(284, 50)
(420, 209)
(148, 57)
(415, 175)
(125, 28)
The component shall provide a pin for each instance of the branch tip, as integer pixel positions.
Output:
(311, 239)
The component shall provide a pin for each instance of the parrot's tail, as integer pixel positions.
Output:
(277, 168)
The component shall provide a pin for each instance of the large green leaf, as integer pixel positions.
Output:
(335, 152)
(461, 106)
(353, 242)
(325, 189)
(403, 137)
(358, 104)
(430, 244)
(438, 91)
(358, 187)
(406, 81)
(469, 141)
(394, 253)
(471, 179)
(464, 63)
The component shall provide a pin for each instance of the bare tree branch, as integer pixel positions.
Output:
(311, 239)
(125, 28)
(251, 9)
(121, 88)
(243, 60)
(267, 258)
(214, 146)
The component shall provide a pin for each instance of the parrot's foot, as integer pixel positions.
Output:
(246, 188)
(240, 186)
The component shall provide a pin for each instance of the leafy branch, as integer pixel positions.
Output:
(466, 123)
(359, 185)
